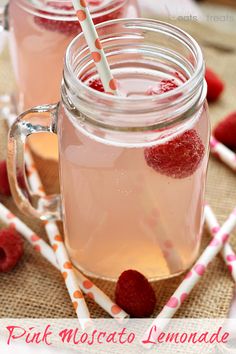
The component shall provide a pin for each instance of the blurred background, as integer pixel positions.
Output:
(220, 13)
(204, 10)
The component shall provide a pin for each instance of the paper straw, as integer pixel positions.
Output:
(60, 259)
(199, 268)
(57, 241)
(172, 258)
(62, 262)
(223, 153)
(38, 244)
(227, 253)
(154, 224)
(195, 274)
(47, 252)
(70, 278)
(85, 284)
(95, 46)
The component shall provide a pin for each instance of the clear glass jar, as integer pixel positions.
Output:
(39, 35)
(132, 168)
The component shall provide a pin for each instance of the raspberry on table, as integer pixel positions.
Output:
(4, 183)
(215, 85)
(177, 158)
(225, 131)
(11, 249)
(135, 294)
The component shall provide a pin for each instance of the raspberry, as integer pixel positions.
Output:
(4, 184)
(60, 6)
(178, 158)
(225, 131)
(94, 2)
(71, 27)
(168, 85)
(96, 84)
(11, 249)
(65, 27)
(164, 86)
(215, 86)
(134, 294)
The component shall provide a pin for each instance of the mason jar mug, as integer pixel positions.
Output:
(132, 167)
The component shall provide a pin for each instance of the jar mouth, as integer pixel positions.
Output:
(130, 33)
(63, 9)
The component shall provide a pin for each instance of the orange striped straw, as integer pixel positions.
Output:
(95, 46)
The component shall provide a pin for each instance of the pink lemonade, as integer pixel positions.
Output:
(40, 33)
(134, 206)
(133, 165)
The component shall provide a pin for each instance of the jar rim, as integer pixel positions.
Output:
(199, 71)
(50, 12)
(132, 113)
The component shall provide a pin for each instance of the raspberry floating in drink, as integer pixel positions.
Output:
(164, 86)
(50, 24)
(177, 158)
(97, 85)
(72, 27)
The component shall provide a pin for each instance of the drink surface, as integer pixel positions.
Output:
(38, 43)
(133, 207)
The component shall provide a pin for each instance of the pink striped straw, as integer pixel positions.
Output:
(227, 253)
(193, 277)
(8, 218)
(223, 153)
(61, 261)
(95, 46)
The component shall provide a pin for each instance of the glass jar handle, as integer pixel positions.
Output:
(42, 119)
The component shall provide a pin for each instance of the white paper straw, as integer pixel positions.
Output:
(227, 252)
(95, 46)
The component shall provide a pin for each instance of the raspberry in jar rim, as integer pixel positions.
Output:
(63, 9)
